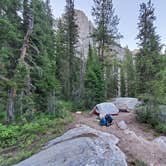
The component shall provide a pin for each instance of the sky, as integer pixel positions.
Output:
(127, 11)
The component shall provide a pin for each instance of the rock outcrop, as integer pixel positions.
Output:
(85, 30)
(161, 141)
(126, 103)
(122, 125)
(82, 146)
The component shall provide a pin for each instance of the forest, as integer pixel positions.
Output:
(41, 78)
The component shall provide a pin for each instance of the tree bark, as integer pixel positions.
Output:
(10, 105)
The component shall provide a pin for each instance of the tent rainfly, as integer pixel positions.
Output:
(106, 108)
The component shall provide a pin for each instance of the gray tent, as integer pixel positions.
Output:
(107, 108)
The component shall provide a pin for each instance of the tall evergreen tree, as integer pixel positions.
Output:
(26, 14)
(106, 25)
(44, 60)
(111, 75)
(149, 42)
(28, 61)
(71, 38)
(94, 84)
(10, 44)
(61, 60)
(129, 74)
(122, 82)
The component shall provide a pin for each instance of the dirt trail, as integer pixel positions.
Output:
(135, 142)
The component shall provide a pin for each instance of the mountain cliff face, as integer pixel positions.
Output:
(85, 29)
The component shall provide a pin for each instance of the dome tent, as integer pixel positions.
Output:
(106, 108)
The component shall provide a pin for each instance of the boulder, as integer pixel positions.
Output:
(162, 113)
(81, 146)
(161, 141)
(126, 103)
(122, 125)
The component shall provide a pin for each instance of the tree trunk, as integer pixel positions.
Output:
(119, 81)
(82, 74)
(10, 105)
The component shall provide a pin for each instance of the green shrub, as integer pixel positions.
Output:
(143, 114)
(65, 105)
(149, 113)
(78, 105)
(15, 159)
(8, 135)
(33, 128)
(12, 134)
(161, 128)
(139, 163)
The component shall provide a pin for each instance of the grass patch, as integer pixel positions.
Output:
(19, 141)
(138, 163)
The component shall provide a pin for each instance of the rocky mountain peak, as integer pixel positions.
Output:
(85, 29)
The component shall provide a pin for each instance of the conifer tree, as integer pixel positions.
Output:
(10, 44)
(26, 14)
(130, 74)
(71, 38)
(94, 84)
(61, 60)
(149, 42)
(27, 57)
(106, 21)
(44, 60)
(122, 82)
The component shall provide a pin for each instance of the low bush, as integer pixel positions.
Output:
(33, 128)
(139, 163)
(12, 134)
(150, 114)
(8, 135)
(161, 128)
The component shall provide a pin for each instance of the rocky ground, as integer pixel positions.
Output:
(136, 140)
(81, 146)
(86, 143)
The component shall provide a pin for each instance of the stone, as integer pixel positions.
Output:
(82, 146)
(161, 141)
(78, 112)
(122, 125)
(126, 103)
(85, 29)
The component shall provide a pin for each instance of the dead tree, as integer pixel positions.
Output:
(12, 91)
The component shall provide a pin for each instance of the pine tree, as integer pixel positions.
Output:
(129, 74)
(106, 21)
(61, 60)
(94, 84)
(149, 42)
(122, 82)
(26, 14)
(111, 76)
(24, 102)
(44, 60)
(71, 37)
(10, 37)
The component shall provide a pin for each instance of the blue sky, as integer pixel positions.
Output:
(127, 11)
